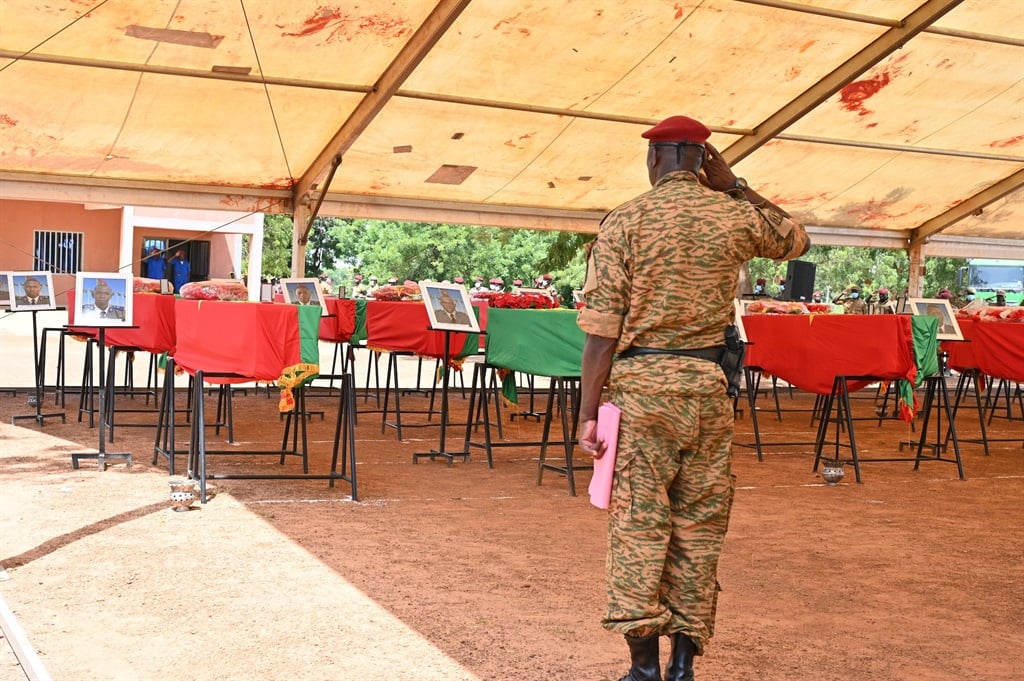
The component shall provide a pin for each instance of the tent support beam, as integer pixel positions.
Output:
(974, 205)
(396, 73)
(890, 41)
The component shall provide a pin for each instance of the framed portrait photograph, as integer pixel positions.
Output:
(103, 299)
(738, 309)
(949, 329)
(303, 292)
(5, 289)
(31, 291)
(448, 307)
(578, 297)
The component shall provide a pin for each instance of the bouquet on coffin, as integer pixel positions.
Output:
(993, 314)
(786, 307)
(144, 285)
(517, 301)
(410, 290)
(215, 289)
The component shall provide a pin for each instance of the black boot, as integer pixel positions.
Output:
(680, 664)
(643, 653)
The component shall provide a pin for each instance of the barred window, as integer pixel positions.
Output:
(57, 252)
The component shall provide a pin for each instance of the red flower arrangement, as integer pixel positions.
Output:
(517, 301)
(410, 290)
(779, 307)
(992, 313)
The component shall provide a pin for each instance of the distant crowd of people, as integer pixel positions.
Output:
(855, 300)
(365, 287)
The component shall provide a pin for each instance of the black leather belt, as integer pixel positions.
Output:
(712, 354)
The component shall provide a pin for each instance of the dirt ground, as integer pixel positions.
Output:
(467, 572)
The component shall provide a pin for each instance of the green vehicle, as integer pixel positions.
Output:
(988, 276)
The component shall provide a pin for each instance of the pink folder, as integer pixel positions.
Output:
(604, 468)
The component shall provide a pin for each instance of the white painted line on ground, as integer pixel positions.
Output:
(27, 656)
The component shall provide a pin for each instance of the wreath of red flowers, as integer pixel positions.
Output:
(517, 301)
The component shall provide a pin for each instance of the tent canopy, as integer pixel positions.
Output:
(876, 122)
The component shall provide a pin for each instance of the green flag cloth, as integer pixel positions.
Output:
(538, 342)
(309, 333)
(359, 335)
(926, 355)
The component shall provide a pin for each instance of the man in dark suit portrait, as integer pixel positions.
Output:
(450, 312)
(303, 296)
(33, 293)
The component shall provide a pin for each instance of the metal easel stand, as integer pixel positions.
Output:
(559, 388)
(102, 455)
(441, 452)
(937, 397)
(197, 452)
(752, 384)
(39, 416)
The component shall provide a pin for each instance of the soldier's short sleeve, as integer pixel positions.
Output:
(782, 237)
(607, 282)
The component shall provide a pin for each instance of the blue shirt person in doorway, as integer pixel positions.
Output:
(181, 270)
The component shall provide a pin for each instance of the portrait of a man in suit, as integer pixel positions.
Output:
(450, 311)
(34, 293)
(31, 291)
(303, 296)
(449, 306)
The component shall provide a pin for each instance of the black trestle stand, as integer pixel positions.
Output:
(39, 416)
(106, 383)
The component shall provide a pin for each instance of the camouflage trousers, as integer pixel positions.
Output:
(671, 498)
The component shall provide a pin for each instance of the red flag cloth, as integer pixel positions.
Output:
(152, 313)
(256, 341)
(999, 349)
(341, 324)
(809, 351)
(961, 353)
(405, 327)
(996, 348)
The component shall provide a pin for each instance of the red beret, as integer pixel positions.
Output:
(459, 280)
(497, 280)
(762, 281)
(678, 129)
(884, 290)
(517, 282)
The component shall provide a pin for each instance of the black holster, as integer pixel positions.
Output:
(732, 360)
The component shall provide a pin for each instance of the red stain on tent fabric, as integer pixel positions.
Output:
(998, 144)
(347, 26)
(853, 96)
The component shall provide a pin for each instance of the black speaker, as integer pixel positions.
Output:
(799, 281)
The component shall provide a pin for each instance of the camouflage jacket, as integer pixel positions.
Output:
(663, 271)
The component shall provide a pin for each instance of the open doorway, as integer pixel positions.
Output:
(196, 252)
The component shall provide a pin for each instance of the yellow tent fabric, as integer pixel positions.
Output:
(884, 122)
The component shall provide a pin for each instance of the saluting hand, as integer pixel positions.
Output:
(715, 173)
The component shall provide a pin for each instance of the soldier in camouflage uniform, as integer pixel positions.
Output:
(662, 276)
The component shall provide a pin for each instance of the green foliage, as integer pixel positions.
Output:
(942, 273)
(871, 268)
(341, 247)
(417, 251)
(277, 246)
(322, 248)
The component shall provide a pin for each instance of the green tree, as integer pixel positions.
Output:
(277, 246)
(322, 248)
(941, 273)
